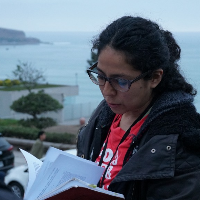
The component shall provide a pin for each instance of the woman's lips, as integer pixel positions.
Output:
(113, 105)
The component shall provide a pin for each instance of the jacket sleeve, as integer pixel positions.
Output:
(180, 187)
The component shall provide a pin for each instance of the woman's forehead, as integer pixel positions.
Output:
(112, 70)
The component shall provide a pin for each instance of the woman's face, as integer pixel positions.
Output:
(112, 63)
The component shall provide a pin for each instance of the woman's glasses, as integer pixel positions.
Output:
(119, 84)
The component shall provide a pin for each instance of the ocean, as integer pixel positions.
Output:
(64, 61)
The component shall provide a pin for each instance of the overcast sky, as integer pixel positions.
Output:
(93, 15)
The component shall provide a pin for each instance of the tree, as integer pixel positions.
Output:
(28, 75)
(94, 58)
(35, 104)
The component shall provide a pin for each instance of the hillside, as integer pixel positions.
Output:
(15, 37)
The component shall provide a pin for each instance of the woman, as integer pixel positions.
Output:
(146, 131)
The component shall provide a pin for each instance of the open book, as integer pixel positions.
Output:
(64, 176)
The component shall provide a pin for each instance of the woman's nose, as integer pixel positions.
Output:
(107, 89)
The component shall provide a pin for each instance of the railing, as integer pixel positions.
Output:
(76, 111)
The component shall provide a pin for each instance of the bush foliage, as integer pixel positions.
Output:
(35, 104)
(19, 132)
(9, 83)
(42, 122)
(12, 128)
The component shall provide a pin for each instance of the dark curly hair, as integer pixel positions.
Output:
(146, 47)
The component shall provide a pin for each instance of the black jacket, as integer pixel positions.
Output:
(163, 162)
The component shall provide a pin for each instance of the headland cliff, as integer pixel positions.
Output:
(16, 37)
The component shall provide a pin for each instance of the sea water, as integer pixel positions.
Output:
(63, 59)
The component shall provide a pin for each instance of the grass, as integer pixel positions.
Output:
(19, 87)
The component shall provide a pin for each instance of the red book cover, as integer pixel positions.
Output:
(81, 193)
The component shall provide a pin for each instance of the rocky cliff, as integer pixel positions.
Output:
(15, 37)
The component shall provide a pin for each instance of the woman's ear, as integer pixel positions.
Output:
(156, 77)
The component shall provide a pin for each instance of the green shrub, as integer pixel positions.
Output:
(19, 132)
(35, 104)
(40, 123)
(11, 128)
(16, 82)
(7, 82)
(1, 83)
(8, 122)
(65, 138)
(31, 134)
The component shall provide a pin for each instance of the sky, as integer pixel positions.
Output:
(94, 15)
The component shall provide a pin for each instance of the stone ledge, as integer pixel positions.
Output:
(27, 144)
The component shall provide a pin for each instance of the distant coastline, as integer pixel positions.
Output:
(16, 37)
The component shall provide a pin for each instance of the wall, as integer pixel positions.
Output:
(58, 93)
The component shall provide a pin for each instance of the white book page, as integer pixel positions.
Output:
(61, 168)
(50, 157)
(69, 184)
(34, 165)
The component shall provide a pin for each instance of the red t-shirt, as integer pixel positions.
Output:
(114, 138)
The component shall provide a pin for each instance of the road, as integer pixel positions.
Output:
(19, 158)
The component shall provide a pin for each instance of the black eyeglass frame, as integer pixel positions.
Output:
(108, 79)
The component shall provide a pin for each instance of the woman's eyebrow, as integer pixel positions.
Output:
(114, 75)
(99, 70)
